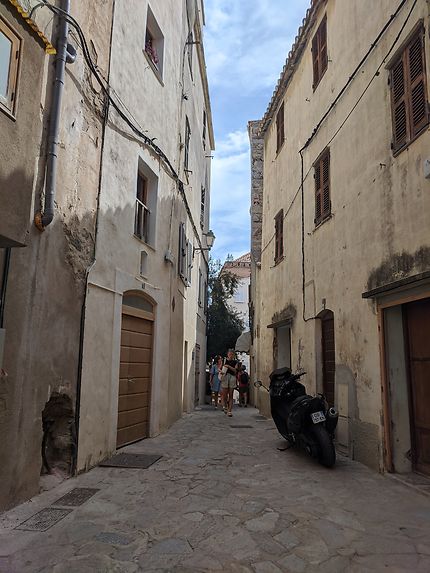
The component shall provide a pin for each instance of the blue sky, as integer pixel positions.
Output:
(246, 43)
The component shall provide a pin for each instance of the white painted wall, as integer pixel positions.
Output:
(159, 106)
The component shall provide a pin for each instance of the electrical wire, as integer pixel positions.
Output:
(133, 125)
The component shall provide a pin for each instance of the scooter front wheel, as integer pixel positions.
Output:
(326, 452)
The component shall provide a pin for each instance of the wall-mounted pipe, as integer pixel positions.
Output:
(3, 287)
(42, 220)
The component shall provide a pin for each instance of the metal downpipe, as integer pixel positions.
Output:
(42, 220)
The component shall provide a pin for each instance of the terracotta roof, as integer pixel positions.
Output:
(243, 259)
(24, 8)
(241, 267)
(292, 61)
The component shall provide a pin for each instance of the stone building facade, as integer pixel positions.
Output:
(342, 286)
(104, 308)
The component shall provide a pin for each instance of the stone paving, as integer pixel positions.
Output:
(225, 499)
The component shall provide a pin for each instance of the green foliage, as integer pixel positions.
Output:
(224, 323)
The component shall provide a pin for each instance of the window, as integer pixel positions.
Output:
(142, 213)
(154, 43)
(204, 129)
(145, 213)
(319, 52)
(190, 46)
(185, 258)
(322, 187)
(202, 207)
(201, 294)
(187, 146)
(409, 92)
(143, 270)
(279, 236)
(10, 47)
(239, 295)
(205, 295)
(280, 135)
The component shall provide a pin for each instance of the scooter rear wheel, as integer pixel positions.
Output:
(326, 453)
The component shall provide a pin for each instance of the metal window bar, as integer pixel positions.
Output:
(141, 221)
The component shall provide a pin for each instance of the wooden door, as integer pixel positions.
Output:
(134, 376)
(418, 333)
(328, 357)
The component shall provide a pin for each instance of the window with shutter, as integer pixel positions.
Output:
(182, 252)
(204, 129)
(10, 53)
(187, 147)
(322, 187)
(279, 236)
(409, 92)
(319, 52)
(280, 131)
(189, 261)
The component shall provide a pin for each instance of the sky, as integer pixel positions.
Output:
(246, 45)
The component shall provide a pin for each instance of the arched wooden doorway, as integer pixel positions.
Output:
(135, 372)
(328, 355)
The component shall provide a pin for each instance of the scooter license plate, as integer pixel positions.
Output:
(318, 417)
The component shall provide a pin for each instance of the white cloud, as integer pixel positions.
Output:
(246, 44)
(230, 196)
(236, 142)
(247, 41)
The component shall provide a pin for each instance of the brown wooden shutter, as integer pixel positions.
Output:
(325, 169)
(279, 236)
(318, 193)
(409, 92)
(322, 187)
(280, 133)
(398, 98)
(323, 57)
(417, 85)
(315, 57)
(319, 52)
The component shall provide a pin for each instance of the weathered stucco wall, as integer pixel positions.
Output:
(378, 231)
(20, 136)
(47, 278)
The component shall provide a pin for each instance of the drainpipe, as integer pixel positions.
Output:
(42, 220)
(7, 254)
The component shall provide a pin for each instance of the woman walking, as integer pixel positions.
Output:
(215, 381)
(229, 381)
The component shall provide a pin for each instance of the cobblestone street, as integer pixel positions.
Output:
(225, 499)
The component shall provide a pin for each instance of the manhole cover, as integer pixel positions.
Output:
(44, 519)
(76, 496)
(240, 426)
(142, 461)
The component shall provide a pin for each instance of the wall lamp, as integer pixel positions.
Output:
(210, 240)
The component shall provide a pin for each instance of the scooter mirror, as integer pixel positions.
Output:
(258, 384)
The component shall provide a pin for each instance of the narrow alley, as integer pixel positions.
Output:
(223, 497)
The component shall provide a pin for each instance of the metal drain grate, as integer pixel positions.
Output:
(76, 496)
(44, 519)
(241, 426)
(141, 461)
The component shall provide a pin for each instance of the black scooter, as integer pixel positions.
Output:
(303, 420)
